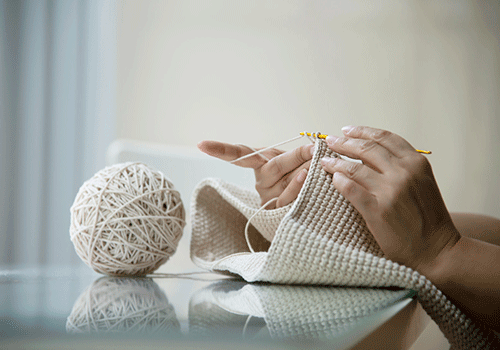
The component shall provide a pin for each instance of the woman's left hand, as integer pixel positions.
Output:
(395, 191)
(281, 176)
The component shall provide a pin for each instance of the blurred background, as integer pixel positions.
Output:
(76, 75)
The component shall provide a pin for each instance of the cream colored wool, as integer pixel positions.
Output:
(320, 239)
(118, 305)
(127, 220)
(290, 312)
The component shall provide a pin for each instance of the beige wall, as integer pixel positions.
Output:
(258, 72)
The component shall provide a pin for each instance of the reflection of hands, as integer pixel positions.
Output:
(395, 192)
(281, 177)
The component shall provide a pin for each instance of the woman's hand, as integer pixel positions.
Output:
(282, 176)
(395, 191)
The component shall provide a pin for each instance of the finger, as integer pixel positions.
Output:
(364, 201)
(370, 152)
(360, 173)
(292, 190)
(392, 142)
(278, 167)
(277, 189)
(230, 152)
(266, 193)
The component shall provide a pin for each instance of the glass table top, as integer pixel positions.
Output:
(73, 307)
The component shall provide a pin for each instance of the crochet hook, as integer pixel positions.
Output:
(323, 136)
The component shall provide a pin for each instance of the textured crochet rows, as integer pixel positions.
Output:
(319, 239)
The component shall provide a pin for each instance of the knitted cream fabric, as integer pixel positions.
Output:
(319, 239)
(290, 312)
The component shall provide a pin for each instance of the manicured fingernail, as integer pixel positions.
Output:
(302, 176)
(331, 139)
(347, 128)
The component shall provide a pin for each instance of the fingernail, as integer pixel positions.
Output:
(331, 139)
(326, 160)
(347, 128)
(302, 175)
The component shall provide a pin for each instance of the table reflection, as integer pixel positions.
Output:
(286, 312)
(112, 304)
(231, 309)
(65, 307)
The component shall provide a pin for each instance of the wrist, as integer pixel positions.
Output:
(441, 261)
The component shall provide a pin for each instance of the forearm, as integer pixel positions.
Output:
(482, 227)
(469, 274)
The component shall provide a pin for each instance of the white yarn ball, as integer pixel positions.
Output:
(127, 220)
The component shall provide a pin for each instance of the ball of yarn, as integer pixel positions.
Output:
(126, 220)
(122, 305)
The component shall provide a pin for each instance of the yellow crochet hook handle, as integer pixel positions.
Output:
(323, 136)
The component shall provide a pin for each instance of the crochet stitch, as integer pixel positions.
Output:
(319, 239)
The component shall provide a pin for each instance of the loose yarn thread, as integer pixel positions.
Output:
(247, 226)
(126, 220)
(268, 148)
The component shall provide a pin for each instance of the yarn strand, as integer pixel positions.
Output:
(247, 226)
(267, 148)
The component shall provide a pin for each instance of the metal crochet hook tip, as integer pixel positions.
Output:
(323, 136)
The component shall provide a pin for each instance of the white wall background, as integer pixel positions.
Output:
(258, 72)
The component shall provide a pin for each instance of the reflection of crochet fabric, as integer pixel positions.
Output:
(319, 239)
(120, 305)
(290, 312)
(207, 319)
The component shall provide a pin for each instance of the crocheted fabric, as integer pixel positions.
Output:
(319, 239)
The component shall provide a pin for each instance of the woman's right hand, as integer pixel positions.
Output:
(282, 176)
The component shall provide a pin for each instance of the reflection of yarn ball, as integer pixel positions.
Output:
(126, 220)
(120, 305)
